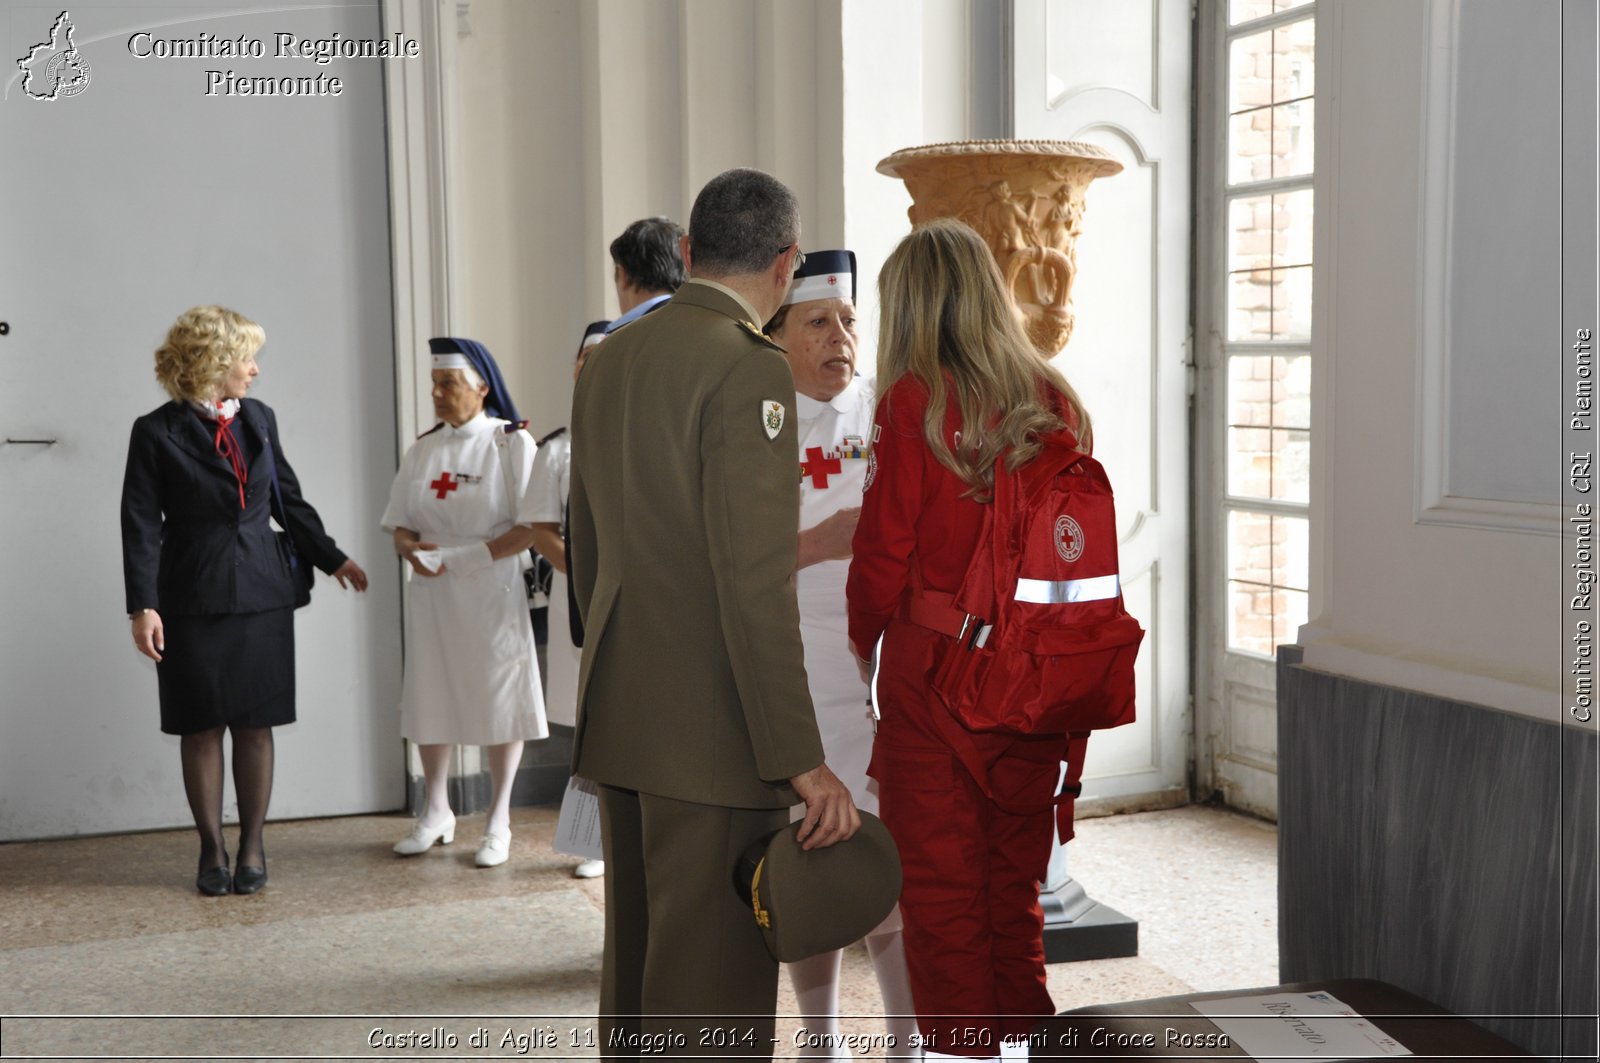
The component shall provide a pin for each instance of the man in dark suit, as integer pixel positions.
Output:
(693, 710)
(646, 268)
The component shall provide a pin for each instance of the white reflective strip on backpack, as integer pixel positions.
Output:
(1056, 592)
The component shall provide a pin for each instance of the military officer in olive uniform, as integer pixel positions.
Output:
(693, 710)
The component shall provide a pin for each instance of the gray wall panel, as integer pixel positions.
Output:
(1446, 848)
(1580, 788)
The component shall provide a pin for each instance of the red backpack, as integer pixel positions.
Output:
(1042, 642)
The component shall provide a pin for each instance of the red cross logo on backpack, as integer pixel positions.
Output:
(1069, 539)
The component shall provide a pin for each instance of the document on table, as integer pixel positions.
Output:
(578, 828)
(1279, 1027)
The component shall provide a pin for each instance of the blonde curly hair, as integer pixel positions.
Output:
(201, 347)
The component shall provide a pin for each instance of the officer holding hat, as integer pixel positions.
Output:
(693, 713)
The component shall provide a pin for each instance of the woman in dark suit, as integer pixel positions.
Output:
(211, 590)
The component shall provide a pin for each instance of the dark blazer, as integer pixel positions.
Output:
(187, 547)
(683, 514)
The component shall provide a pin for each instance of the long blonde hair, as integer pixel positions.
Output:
(944, 309)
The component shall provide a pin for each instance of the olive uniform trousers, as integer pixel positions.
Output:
(686, 971)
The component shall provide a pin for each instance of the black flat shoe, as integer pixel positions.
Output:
(214, 882)
(249, 879)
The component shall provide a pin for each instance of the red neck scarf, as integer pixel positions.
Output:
(225, 442)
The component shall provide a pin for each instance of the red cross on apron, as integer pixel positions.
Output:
(444, 485)
(817, 467)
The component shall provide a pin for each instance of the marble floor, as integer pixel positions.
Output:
(107, 951)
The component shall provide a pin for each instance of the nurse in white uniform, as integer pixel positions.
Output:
(817, 328)
(459, 513)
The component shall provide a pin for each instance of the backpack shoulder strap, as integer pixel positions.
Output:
(1072, 785)
(936, 611)
(952, 614)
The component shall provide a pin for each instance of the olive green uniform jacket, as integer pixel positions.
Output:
(684, 503)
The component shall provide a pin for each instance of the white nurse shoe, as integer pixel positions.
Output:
(423, 837)
(493, 850)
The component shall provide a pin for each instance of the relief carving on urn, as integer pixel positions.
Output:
(1025, 198)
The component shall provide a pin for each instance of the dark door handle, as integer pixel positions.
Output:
(32, 442)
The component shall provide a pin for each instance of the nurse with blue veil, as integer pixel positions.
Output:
(462, 521)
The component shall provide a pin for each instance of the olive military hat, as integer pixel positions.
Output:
(808, 902)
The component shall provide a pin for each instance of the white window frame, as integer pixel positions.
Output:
(1224, 676)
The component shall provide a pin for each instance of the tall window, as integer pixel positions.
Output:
(1265, 319)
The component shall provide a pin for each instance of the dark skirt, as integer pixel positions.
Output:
(229, 669)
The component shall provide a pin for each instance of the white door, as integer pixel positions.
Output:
(127, 198)
(1117, 76)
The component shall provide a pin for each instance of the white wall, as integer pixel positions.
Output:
(1501, 261)
(147, 197)
(686, 90)
(1432, 571)
(814, 91)
(521, 198)
(576, 117)
(906, 82)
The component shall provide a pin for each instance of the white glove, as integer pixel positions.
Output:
(466, 559)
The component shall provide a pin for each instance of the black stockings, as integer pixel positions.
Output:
(202, 782)
(252, 783)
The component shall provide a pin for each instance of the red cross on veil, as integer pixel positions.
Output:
(444, 485)
(817, 467)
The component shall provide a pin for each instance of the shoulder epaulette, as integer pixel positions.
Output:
(766, 340)
(515, 426)
(432, 430)
(552, 435)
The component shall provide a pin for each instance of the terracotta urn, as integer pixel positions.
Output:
(1025, 197)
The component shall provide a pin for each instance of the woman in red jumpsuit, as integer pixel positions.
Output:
(961, 386)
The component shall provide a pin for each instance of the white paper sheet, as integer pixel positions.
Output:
(578, 828)
(1280, 1027)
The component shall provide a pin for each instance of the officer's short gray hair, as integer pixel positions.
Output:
(742, 219)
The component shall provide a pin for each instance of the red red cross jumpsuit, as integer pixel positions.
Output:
(973, 925)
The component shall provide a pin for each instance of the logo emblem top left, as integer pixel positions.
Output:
(55, 69)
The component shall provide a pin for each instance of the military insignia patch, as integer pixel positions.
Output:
(772, 418)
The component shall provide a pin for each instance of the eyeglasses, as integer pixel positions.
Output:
(799, 258)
